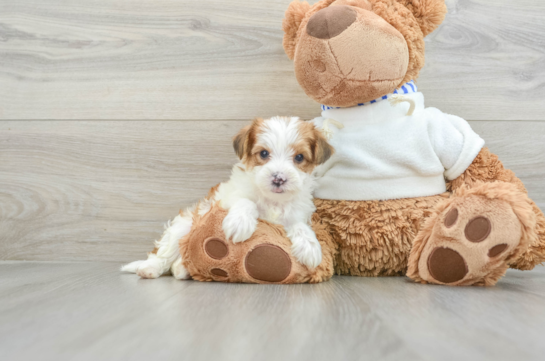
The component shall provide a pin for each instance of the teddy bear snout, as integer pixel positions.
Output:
(331, 21)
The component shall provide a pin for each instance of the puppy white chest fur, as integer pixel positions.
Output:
(271, 214)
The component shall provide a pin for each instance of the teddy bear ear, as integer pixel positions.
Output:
(429, 13)
(292, 20)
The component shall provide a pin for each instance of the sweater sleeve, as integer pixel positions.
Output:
(454, 142)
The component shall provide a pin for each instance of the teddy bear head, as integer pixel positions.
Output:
(348, 52)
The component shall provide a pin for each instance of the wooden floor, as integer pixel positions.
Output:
(90, 311)
(116, 114)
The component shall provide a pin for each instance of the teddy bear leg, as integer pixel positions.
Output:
(266, 257)
(487, 168)
(474, 236)
(535, 254)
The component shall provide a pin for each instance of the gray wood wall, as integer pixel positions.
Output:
(116, 114)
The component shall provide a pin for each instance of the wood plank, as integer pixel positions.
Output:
(486, 62)
(212, 59)
(101, 190)
(72, 189)
(90, 311)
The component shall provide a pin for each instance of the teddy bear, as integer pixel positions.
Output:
(409, 191)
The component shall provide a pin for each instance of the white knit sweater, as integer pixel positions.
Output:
(381, 153)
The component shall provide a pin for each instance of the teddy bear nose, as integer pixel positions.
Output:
(331, 21)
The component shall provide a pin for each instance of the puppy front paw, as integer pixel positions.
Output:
(239, 227)
(307, 250)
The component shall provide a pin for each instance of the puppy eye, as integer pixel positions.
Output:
(299, 158)
(264, 154)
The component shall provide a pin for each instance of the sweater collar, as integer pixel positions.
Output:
(377, 111)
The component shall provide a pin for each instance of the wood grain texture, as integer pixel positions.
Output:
(487, 60)
(101, 190)
(216, 59)
(89, 311)
(70, 189)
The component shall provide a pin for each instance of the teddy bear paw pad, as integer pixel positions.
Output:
(219, 272)
(446, 265)
(216, 248)
(268, 263)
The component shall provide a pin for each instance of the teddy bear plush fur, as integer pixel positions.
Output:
(353, 53)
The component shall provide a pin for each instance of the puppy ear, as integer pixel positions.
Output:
(243, 141)
(429, 13)
(292, 20)
(323, 150)
(239, 141)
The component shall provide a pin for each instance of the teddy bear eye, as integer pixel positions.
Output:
(299, 158)
(264, 154)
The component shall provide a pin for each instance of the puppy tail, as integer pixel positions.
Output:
(131, 267)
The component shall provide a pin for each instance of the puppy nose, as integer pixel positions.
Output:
(331, 21)
(279, 179)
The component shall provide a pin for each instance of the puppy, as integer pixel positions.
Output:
(273, 181)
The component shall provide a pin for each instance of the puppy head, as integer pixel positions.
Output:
(281, 153)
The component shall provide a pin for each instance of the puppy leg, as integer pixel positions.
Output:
(179, 271)
(305, 246)
(166, 251)
(241, 221)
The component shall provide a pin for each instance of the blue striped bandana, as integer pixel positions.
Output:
(407, 88)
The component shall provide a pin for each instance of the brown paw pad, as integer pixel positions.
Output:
(497, 250)
(215, 248)
(218, 272)
(451, 217)
(268, 263)
(478, 229)
(446, 265)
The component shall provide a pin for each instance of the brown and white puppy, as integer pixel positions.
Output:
(273, 181)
